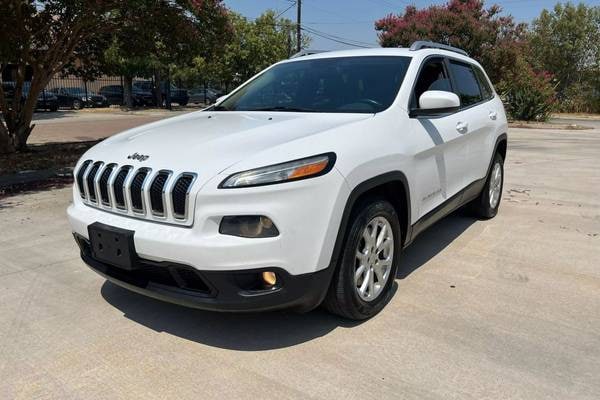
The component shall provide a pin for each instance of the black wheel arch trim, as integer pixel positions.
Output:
(359, 190)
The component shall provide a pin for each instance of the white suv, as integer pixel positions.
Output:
(301, 187)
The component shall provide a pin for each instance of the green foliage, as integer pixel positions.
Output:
(528, 95)
(495, 40)
(45, 37)
(566, 43)
(253, 46)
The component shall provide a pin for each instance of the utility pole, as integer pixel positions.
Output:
(299, 26)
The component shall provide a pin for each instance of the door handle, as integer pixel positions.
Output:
(493, 115)
(462, 127)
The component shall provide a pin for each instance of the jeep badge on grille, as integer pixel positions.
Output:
(139, 157)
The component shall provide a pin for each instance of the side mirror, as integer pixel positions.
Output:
(436, 102)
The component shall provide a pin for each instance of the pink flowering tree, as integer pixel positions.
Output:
(495, 40)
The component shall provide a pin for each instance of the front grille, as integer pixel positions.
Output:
(103, 183)
(138, 192)
(80, 176)
(90, 181)
(119, 187)
(180, 194)
(157, 191)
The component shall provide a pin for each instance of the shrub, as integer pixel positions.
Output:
(528, 95)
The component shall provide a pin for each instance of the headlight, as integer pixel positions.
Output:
(285, 172)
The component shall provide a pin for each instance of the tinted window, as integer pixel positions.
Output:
(342, 84)
(433, 76)
(486, 89)
(467, 87)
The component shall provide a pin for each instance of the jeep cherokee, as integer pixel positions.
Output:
(300, 188)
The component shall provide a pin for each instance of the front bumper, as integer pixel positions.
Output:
(229, 291)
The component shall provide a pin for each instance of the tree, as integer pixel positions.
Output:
(253, 46)
(566, 42)
(155, 36)
(495, 40)
(43, 37)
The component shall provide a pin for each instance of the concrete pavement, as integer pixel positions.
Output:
(506, 308)
(85, 125)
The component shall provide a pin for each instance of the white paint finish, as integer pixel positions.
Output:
(435, 99)
(437, 159)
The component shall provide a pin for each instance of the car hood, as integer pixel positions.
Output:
(209, 142)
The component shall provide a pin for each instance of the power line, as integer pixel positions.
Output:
(284, 11)
(334, 39)
(342, 38)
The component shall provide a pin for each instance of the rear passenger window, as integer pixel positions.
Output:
(486, 89)
(467, 87)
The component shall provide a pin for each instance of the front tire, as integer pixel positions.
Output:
(486, 205)
(77, 105)
(363, 281)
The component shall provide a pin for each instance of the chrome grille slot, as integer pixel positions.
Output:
(157, 193)
(119, 187)
(90, 180)
(136, 190)
(80, 175)
(180, 194)
(103, 184)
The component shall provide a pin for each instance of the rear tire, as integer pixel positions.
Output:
(486, 205)
(362, 283)
(77, 105)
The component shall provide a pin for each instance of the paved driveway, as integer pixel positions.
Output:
(500, 309)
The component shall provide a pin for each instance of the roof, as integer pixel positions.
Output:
(381, 51)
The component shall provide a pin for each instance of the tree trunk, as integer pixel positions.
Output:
(168, 93)
(6, 144)
(157, 89)
(127, 91)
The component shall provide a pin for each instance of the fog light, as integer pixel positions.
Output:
(269, 278)
(248, 226)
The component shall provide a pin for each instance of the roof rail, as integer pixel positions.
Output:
(423, 44)
(303, 53)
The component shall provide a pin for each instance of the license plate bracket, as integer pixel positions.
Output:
(112, 245)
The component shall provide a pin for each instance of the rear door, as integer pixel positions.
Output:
(476, 116)
(441, 148)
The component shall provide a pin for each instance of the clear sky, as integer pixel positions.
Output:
(352, 20)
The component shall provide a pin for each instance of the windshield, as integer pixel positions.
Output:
(366, 84)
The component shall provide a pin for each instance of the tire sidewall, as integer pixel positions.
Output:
(489, 211)
(379, 208)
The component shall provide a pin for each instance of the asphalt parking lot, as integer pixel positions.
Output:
(501, 309)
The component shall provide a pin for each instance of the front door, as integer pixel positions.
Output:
(441, 143)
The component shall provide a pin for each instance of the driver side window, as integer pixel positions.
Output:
(433, 76)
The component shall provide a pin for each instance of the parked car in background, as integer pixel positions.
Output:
(46, 100)
(201, 95)
(179, 96)
(114, 95)
(77, 98)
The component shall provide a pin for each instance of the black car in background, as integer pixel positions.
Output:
(77, 98)
(114, 95)
(179, 96)
(201, 95)
(45, 101)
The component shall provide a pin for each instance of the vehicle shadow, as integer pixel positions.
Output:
(270, 330)
(233, 331)
(431, 242)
